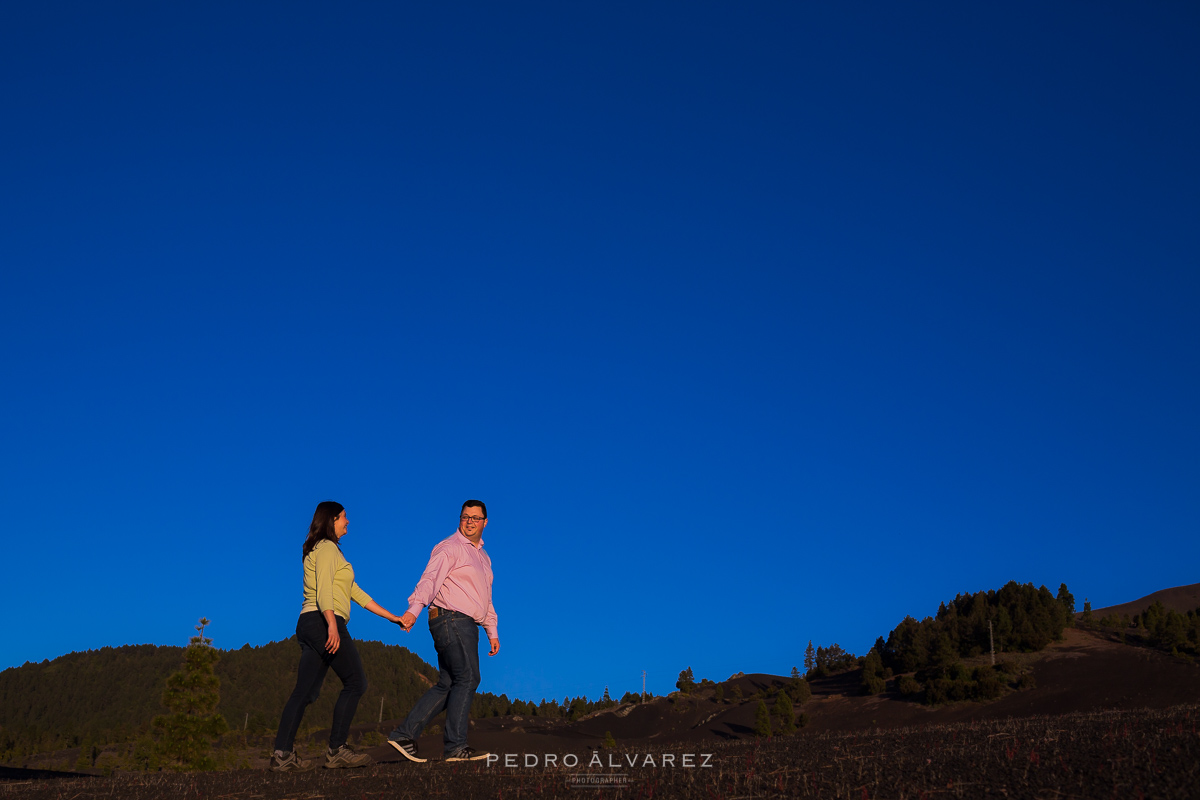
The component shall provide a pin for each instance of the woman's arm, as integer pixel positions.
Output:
(375, 608)
(335, 640)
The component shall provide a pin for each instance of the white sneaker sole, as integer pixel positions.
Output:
(407, 754)
(476, 757)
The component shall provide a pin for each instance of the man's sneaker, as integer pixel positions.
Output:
(289, 762)
(468, 754)
(345, 757)
(407, 748)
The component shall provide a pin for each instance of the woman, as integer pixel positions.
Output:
(325, 643)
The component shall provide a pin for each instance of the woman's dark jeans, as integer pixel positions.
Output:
(312, 632)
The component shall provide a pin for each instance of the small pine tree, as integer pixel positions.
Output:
(1067, 600)
(192, 695)
(686, 681)
(609, 741)
(810, 657)
(795, 673)
(762, 720)
(736, 694)
(783, 710)
(606, 700)
(1087, 611)
(85, 760)
(719, 694)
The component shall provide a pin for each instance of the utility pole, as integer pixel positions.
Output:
(992, 643)
(381, 709)
(643, 684)
(246, 724)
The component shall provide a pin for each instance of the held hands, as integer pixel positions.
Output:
(406, 621)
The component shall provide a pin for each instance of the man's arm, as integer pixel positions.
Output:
(441, 561)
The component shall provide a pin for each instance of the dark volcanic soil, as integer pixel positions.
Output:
(1109, 754)
(1105, 719)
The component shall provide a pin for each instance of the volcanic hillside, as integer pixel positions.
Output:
(1180, 599)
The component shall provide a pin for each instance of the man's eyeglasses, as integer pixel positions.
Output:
(476, 520)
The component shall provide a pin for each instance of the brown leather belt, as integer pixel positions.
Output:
(435, 612)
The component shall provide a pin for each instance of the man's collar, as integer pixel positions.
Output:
(468, 538)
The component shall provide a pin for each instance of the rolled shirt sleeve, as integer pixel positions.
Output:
(489, 622)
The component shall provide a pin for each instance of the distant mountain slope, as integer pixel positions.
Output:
(113, 693)
(1180, 599)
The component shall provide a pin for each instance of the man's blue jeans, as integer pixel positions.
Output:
(456, 639)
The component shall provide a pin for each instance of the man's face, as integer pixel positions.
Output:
(472, 522)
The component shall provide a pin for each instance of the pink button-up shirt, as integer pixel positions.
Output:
(458, 577)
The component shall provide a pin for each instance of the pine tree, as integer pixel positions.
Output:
(783, 710)
(609, 741)
(192, 695)
(686, 682)
(810, 657)
(1068, 602)
(607, 700)
(795, 673)
(85, 760)
(762, 720)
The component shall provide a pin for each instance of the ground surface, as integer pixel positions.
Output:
(1150, 753)
(1105, 719)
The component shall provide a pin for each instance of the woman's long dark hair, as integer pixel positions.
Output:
(322, 525)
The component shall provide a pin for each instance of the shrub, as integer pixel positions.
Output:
(798, 689)
(908, 685)
(989, 686)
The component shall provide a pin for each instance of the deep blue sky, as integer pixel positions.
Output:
(752, 323)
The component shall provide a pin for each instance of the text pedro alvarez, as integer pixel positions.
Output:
(614, 761)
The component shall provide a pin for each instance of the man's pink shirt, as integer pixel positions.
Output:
(458, 577)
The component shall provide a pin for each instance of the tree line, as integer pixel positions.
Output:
(1015, 618)
(1157, 626)
(112, 695)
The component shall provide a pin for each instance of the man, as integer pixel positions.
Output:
(457, 587)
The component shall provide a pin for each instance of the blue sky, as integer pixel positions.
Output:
(752, 324)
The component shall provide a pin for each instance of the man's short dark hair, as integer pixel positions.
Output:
(475, 504)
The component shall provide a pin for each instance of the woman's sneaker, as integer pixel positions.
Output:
(289, 762)
(407, 748)
(345, 757)
(468, 754)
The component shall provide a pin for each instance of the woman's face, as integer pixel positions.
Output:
(339, 524)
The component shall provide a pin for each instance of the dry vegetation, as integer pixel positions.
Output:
(1115, 753)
